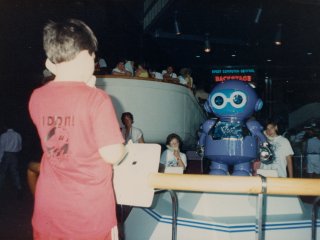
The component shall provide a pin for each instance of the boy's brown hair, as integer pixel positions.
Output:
(63, 41)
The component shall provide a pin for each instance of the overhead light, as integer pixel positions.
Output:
(207, 47)
(176, 27)
(278, 37)
(176, 23)
(253, 85)
(197, 56)
(257, 18)
(269, 60)
(233, 55)
(309, 53)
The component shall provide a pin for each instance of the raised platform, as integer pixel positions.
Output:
(220, 216)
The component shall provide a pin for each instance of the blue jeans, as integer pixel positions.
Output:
(9, 163)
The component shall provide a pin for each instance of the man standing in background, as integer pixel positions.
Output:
(11, 145)
(313, 154)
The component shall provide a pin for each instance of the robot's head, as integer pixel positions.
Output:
(233, 99)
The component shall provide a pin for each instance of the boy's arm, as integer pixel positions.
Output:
(113, 154)
(290, 166)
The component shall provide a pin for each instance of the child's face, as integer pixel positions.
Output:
(174, 143)
(271, 130)
(127, 121)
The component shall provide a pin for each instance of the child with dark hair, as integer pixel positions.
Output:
(129, 132)
(80, 138)
(172, 157)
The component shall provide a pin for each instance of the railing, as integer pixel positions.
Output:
(299, 164)
(232, 184)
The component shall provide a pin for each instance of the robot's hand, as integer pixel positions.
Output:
(266, 153)
(200, 150)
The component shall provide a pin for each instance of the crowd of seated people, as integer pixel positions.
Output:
(130, 68)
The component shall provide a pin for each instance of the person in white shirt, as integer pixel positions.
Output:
(313, 155)
(172, 157)
(185, 77)
(102, 63)
(11, 145)
(169, 75)
(130, 132)
(120, 70)
(129, 66)
(156, 75)
(282, 150)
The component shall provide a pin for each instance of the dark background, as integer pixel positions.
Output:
(118, 24)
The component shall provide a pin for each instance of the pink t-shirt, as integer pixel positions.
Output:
(74, 197)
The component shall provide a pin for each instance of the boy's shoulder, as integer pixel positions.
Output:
(70, 88)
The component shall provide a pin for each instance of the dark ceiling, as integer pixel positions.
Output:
(237, 37)
(242, 33)
(246, 29)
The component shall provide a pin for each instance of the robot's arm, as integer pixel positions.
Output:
(256, 130)
(204, 130)
(266, 153)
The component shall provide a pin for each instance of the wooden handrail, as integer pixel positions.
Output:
(234, 184)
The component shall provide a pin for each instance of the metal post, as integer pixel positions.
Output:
(301, 165)
(174, 199)
(314, 217)
(260, 209)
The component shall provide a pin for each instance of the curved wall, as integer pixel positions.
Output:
(159, 108)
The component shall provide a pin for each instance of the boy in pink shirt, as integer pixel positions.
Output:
(80, 138)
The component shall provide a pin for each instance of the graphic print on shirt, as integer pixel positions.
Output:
(172, 163)
(57, 142)
(57, 138)
(274, 147)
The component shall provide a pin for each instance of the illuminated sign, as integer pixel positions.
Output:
(233, 73)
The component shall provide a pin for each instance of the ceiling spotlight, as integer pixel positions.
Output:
(278, 37)
(233, 55)
(207, 47)
(309, 53)
(176, 23)
(176, 27)
(197, 56)
(257, 18)
(269, 60)
(253, 85)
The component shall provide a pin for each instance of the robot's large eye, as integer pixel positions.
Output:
(238, 99)
(218, 101)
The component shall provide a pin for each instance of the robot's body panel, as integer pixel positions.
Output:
(231, 151)
(229, 130)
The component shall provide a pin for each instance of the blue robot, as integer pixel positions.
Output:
(232, 139)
